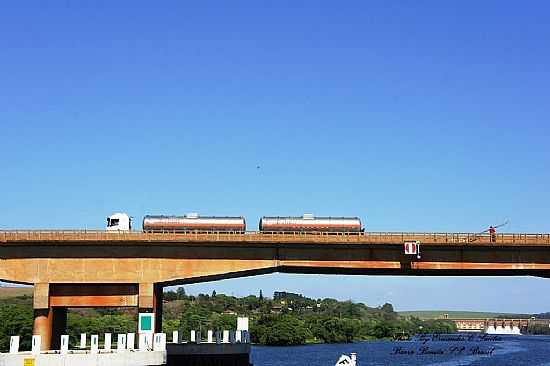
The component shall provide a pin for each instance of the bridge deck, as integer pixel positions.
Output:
(86, 236)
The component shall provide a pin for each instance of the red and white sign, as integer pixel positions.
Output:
(412, 247)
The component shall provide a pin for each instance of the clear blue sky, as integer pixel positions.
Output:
(416, 116)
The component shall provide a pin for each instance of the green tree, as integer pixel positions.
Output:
(283, 330)
(170, 296)
(387, 308)
(181, 293)
(16, 320)
(170, 325)
(222, 322)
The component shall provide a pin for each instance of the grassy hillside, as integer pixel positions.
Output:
(7, 292)
(438, 314)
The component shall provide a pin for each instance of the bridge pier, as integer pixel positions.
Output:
(50, 324)
(52, 300)
(42, 326)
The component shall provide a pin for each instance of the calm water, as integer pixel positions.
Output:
(434, 351)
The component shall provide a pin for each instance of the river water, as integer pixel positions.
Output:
(434, 350)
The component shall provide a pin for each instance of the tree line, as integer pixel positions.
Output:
(285, 319)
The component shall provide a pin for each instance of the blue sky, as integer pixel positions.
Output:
(424, 116)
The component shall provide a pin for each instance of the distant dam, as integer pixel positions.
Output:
(493, 326)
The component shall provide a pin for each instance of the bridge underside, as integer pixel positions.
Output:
(327, 270)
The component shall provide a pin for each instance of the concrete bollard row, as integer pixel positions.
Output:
(218, 337)
(241, 335)
(147, 342)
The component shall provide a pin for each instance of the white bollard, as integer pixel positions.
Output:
(14, 344)
(145, 342)
(142, 342)
(242, 324)
(107, 345)
(121, 343)
(83, 340)
(94, 343)
(210, 336)
(193, 336)
(225, 336)
(175, 336)
(159, 343)
(131, 341)
(64, 349)
(36, 344)
(238, 336)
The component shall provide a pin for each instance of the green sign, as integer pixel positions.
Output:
(146, 323)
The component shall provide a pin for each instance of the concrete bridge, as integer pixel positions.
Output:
(98, 268)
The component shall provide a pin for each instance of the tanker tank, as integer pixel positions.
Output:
(193, 222)
(311, 224)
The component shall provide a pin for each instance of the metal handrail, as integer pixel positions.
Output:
(39, 235)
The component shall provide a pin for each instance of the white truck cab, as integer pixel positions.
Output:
(119, 222)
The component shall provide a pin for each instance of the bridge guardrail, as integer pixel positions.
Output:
(15, 236)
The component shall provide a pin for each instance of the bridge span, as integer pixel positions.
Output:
(98, 268)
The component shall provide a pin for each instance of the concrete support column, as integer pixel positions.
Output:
(150, 300)
(157, 307)
(42, 326)
(49, 322)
